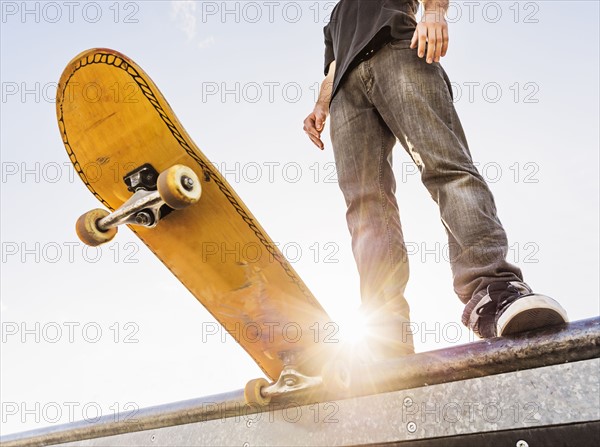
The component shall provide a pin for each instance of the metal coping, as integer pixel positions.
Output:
(573, 342)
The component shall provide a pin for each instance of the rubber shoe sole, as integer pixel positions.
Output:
(529, 313)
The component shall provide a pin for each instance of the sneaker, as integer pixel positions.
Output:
(511, 307)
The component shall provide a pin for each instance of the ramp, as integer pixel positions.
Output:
(540, 388)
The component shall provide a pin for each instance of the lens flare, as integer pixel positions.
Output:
(352, 327)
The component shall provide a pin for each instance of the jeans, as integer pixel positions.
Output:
(395, 95)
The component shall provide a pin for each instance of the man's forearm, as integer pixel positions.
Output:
(325, 91)
(435, 5)
(327, 86)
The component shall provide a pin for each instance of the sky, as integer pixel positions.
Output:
(91, 332)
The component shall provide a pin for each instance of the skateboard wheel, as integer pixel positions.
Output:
(88, 231)
(253, 394)
(179, 186)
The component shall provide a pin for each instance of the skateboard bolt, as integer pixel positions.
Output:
(411, 427)
(143, 218)
(522, 443)
(187, 183)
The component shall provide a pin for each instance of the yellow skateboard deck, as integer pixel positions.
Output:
(110, 113)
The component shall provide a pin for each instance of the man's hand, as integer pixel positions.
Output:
(432, 31)
(315, 123)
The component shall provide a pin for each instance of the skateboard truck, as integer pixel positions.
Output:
(143, 177)
(177, 187)
(260, 391)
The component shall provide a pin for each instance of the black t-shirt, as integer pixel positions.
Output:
(358, 28)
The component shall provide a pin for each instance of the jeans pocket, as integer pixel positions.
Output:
(446, 81)
(333, 102)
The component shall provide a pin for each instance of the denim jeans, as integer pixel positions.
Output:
(393, 96)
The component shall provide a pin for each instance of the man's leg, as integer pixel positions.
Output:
(414, 99)
(362, 145)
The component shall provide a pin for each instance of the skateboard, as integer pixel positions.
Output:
(133, 154)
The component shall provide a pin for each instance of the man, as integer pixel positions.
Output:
(384, 83)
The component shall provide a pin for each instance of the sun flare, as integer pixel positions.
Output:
(352, 327)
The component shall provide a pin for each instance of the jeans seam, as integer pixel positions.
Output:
(369, 80)
(382, 197)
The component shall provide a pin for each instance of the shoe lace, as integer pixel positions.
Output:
(499, 301)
